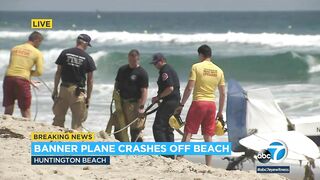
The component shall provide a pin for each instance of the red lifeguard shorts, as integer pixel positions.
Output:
(16, 88)
(201, 112)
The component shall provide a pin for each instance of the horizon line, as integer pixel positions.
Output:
(99, 11)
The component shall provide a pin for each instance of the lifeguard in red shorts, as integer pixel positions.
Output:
(205, 77)
(16, 83)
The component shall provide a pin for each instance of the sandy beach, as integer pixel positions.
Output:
(15, 161)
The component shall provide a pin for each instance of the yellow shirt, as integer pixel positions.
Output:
(207, 77)
(23, 57)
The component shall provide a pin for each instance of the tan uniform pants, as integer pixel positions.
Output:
(130, 112)
(77, 104)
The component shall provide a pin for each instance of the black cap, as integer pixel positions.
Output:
(157, 57)
(86, 38)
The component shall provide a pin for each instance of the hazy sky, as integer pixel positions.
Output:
(158, 5)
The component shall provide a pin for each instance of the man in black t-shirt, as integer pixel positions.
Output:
(75, 68)
(169, 92)
(132, 82)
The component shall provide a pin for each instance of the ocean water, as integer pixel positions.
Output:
(277, 50)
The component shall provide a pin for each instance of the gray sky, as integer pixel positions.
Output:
(159, 5)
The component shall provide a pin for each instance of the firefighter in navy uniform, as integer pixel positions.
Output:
(169, 93)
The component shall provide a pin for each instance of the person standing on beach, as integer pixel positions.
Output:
(205, 77)
(17, 80)
(74, 67)
(169, 93)
(132, 82)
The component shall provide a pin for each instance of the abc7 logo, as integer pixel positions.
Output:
(276, 153)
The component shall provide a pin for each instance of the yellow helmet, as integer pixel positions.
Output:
(176, 122)
(220, 130)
